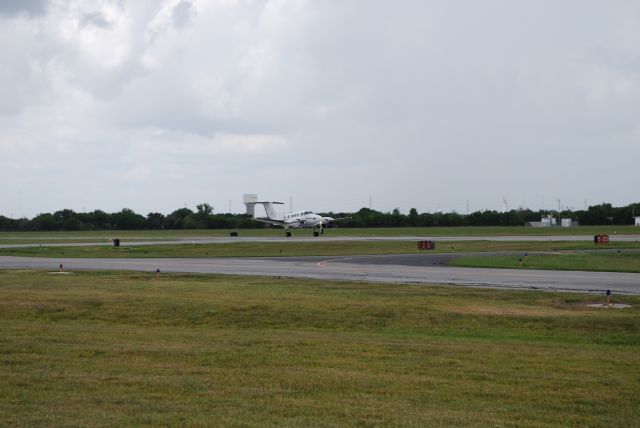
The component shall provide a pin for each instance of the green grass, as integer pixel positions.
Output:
(113, 349)
(87, 236)
(298, 248)
(609, 262)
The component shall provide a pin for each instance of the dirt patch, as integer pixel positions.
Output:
(609, 306)
(576, 304)
(536, 311)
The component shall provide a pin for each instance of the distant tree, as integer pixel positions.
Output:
(452, 219)
(221, 221)
(413, 217)
(598, 214)
(176, 219)
(7, 223)
(182, 213)
(63, 215)
(129, 220)
(425, 220)
(67, 220)
(393, 219)
(623, 215)
(98, 219)
(204, 209)
(155, 221)
(44, 222)
(191, 222)
(202, 217)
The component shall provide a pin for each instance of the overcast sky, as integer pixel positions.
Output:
(157, 105)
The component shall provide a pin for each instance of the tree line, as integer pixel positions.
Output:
(603, 214)
(204, 218)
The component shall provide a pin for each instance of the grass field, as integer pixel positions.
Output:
(92, 236)
(610, 262)
(297, 248)
(114, 349)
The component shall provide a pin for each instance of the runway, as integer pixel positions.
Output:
(397, 269)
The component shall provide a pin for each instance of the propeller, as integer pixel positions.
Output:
(326, 221)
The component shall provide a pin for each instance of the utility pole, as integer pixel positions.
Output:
(467, 206)
(369, 201)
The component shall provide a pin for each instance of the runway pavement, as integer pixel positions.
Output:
(400, 269)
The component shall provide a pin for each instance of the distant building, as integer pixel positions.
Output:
(566, 222)
(247, 200)
(548, 221)
(638, 221)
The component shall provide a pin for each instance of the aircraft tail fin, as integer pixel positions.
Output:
(268, 207)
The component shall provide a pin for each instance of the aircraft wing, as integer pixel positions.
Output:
(269, 221)
(295, 223)
(332, 219)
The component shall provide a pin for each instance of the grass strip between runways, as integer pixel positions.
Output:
(300, 249)
(609, 262)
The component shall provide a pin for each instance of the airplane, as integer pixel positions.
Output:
(295, 219)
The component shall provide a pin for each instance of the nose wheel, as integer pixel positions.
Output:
(316, 233)
(288, 234)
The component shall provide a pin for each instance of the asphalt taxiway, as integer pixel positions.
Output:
(398, 269)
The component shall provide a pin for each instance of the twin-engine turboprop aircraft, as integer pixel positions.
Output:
(294, 220)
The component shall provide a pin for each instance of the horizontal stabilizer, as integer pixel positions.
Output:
(262, 203)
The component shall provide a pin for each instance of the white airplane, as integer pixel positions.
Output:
(294, 220)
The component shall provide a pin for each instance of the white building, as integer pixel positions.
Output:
(638, 221)
(548, 221)
(247, 200)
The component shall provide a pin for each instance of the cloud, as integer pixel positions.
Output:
(423, 102)
(14, 7)
(182, 13)
(96, 19)
(250, 144)
(171, 143)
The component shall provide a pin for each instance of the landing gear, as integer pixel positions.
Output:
(288, 234)
(316, 233)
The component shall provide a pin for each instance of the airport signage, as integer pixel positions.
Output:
(601, 239)
(426, 245)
